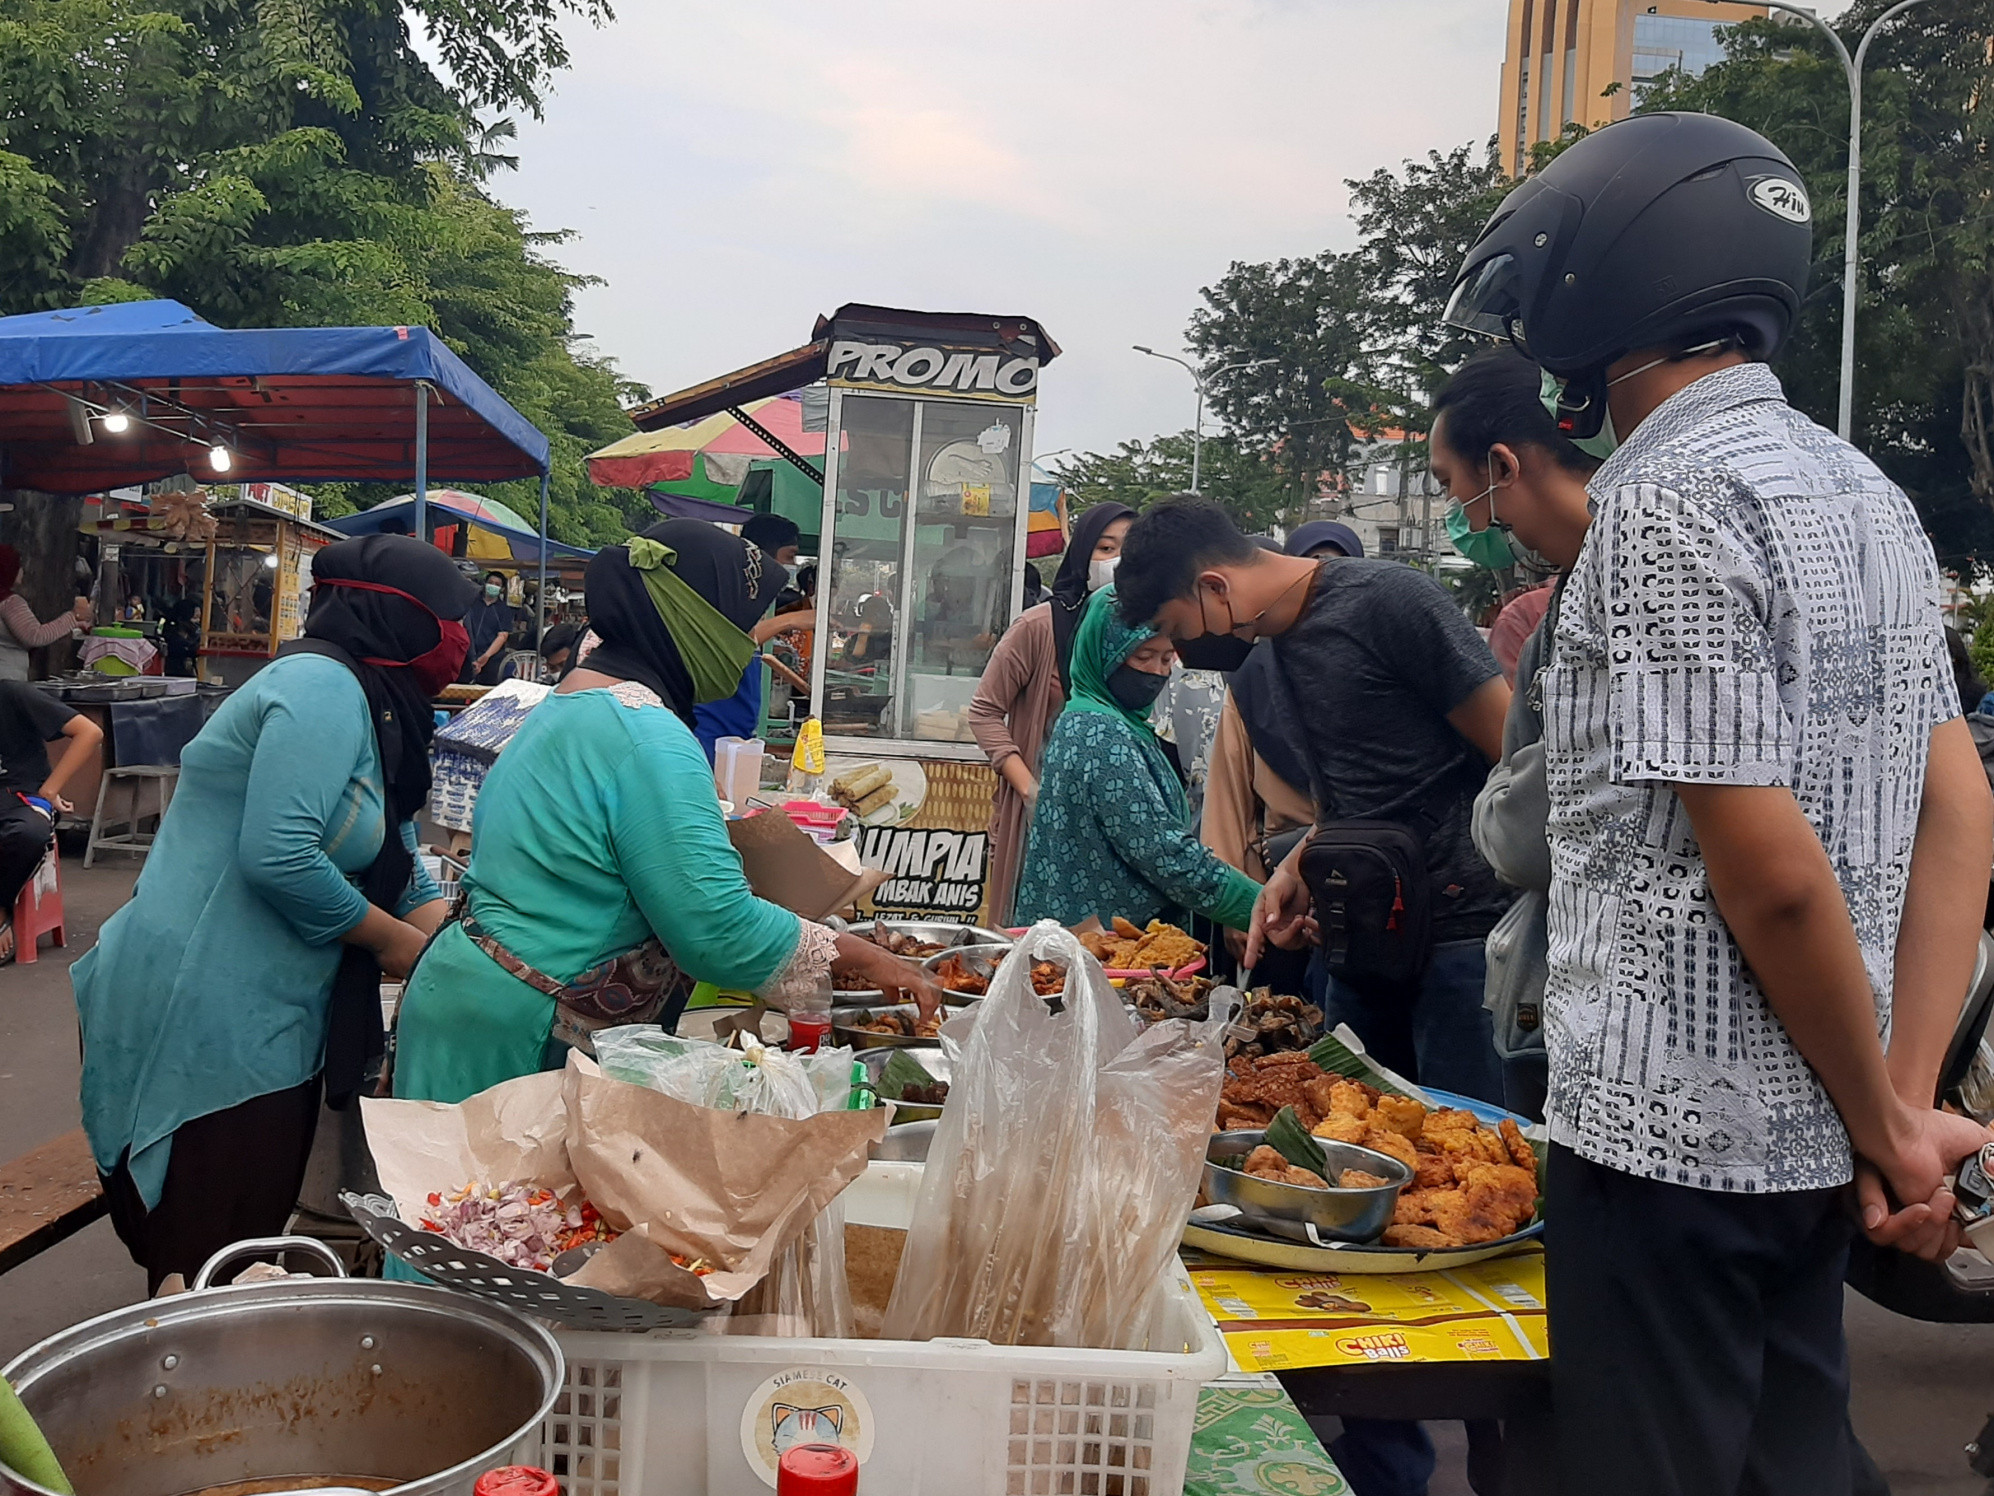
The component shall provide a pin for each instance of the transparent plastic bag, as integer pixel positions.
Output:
(1063, 1167)
(805, 1293)
(767, 1081)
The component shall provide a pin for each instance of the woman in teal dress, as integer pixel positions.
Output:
(1112, 832)
(244, 975)
(602, 883)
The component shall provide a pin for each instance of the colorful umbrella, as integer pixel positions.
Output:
(706, 459)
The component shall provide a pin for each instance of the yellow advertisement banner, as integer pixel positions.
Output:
(1274, 1320)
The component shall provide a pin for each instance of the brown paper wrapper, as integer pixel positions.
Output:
(732, 1189)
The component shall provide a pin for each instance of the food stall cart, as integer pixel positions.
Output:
(259, 570)
(923, 532)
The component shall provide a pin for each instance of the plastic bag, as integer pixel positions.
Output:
(806, 1293)
(768, 1081)
(1064, 1165)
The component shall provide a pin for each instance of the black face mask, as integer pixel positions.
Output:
(1135, 689)
(1225, 652)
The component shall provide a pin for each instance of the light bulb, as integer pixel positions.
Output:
(220, 458)
(116, 422)
(270, 560)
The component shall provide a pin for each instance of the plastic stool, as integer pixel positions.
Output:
(38, 911)
(134, 780)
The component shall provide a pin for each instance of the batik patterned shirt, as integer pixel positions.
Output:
(1755, 604)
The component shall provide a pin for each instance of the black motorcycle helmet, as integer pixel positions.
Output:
(1659, 231)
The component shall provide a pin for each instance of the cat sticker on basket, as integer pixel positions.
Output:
(804, 1405)
(793, 1426)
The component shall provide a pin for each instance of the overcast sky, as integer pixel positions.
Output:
(731, 170)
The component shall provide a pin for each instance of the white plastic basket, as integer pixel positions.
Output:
(675, 1413)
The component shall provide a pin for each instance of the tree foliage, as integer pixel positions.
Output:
(1924, 406)
(299, 163)
(1138, 474)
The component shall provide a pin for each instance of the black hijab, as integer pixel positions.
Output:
(738, 578)
(356, 626)
(1069, 584)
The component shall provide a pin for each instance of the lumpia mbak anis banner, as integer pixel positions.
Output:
(925, 824)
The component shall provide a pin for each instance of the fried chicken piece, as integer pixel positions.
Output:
(1317, 1093)
(1338, 1128)
(1402, 1115)
(1520, 1152)
(1467, 1216)
(1384, 1140)
(1434, 1171)
(1502, 1192)
(1357, 1179)
(1266, 1163)
(1423, 1237)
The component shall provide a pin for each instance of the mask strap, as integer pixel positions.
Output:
(1716, 345)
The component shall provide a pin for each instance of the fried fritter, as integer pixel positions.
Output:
(1465, 1219)
(1349, 1099)
(1433, 1172)
(1338, 1128)
(1243, 1118)
(1414, 1207)
(1402, 1115)
(1520, 1152)
(1357, 1179)
(1503, 1191)
(1384, 1140)
(1267, 1163)
(1423, 1237)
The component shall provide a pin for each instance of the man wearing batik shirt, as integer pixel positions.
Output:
(1769, 830)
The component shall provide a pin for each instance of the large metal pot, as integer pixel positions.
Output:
(331, 1381)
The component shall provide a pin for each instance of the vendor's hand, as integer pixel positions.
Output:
(398, 952)
(860, 963)
(1917, 1150)
(1280, 916)
(83, 611)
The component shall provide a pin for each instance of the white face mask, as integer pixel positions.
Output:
(1100, 572)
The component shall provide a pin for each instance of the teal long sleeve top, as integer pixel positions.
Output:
(213, 985)
(1108, 837)
(597, 827)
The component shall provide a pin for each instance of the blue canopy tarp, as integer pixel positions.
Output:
(446, 506)
(293, 403)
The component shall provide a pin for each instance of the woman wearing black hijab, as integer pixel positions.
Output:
(243, 978)
(1025, 685)
(602, 884)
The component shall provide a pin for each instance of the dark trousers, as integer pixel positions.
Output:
(24, 836)
(1434, 1031)
(230, 1175)
(1696, 1337)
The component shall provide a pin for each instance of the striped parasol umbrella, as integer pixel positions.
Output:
(705, 459)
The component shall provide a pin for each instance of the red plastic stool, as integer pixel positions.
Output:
(38, 911)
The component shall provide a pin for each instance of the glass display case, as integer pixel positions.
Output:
(927, 528)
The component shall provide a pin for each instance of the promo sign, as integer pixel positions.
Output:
(927, 369)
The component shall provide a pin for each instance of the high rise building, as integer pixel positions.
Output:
(1565, 56)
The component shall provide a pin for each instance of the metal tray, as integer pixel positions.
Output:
(858, 1038)
(539, 1294)
(942, 932)
(933, 1060)
(1335, 1214)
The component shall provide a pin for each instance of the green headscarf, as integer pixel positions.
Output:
(1101, 646)
(715, 652)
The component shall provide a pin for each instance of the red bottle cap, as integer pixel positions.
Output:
(516, 1480)
(817, 1470)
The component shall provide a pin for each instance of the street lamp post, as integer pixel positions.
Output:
(1201, 379)
(1851, 255)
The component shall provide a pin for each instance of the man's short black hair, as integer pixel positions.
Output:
(1494, 398)
(1168, 546)
(771, 532)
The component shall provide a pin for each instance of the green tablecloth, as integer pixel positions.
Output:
(1251, 1441)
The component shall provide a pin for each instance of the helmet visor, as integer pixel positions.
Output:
(1485, 300)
